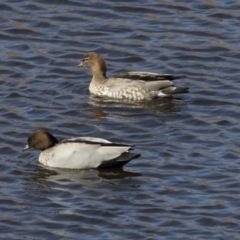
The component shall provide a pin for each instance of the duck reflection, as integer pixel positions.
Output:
(157, 106)
(86, 177)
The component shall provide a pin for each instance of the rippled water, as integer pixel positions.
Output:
(186, 184)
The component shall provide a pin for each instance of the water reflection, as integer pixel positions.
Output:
(158, 105)
(87, 177)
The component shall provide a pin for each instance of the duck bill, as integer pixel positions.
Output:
(80, 64)
(26, 148)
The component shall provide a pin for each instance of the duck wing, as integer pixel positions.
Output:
(95, 141)
(82, 154)
(86, 140)
(146, 76)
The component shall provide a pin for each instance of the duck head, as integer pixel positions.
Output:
(40, 140)
(95, 63)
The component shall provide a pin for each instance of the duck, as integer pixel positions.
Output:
(133, 86)
(79, 152)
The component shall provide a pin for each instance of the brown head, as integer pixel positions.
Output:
(40, 140)
(96, 64)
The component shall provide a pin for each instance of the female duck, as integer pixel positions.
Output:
(135, 86)
(79, 152)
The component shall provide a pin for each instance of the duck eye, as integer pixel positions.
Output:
(33, 139)
(86, 59)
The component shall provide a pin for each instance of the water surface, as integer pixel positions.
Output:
(186, 184)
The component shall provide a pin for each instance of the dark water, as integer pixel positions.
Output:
(186, 184)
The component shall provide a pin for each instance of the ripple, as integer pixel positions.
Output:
(185, 185)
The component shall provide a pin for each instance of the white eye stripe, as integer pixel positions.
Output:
(85, 59)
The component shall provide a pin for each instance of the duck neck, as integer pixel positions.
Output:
(99, 74)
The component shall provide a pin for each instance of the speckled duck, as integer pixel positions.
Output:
(135, 86)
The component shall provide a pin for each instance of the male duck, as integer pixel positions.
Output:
(135, 86)
(79, 152)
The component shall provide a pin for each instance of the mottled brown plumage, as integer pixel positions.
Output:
(136, 86)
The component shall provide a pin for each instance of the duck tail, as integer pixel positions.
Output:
(119, 161)
(175, 90)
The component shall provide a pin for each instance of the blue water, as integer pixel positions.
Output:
(186, 184)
